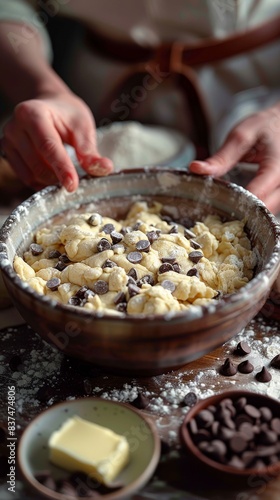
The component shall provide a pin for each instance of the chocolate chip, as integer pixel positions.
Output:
(165, 268)
(153, 236)
(205, 417)
(66, 488)
(245, 367)
(252, 411)
(263, 375)
(64, 258)
(60, 266)
(124, 230)
(193, 272)
(137, 226)
(176, 267)
(103, 245)
(108, 263)
(267, 437)
(275, 362)
(45, 478)
(54, 254)
(15, 363)
(195, 245)
(141, 402)
(75, 301)
(190, 399)
(146, 279)
(134, 257)
(143, 245)
(108, 228)
(121, 307)
(173, 230)
(133, 273)
(275, 425)
(169, 260)
(228, 369)
(36, 249)
(167, 218)
(266, 413)
(116, 237)
(237, 443)
(195, 256)
(94, 220)
(53, 284)
(81, 292)
(45, 393)
(133, 290)
(187, 222)
(168, 285)
(120, 297)
(189, 234)
(242, 349)
(100, 287)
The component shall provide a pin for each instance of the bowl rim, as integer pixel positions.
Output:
(126, 490)
(215, 465)
(196, 311)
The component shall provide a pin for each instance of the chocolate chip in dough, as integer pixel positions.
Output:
(143, 245)
(165, 268)
(193, 272)
(195, 256)
(103, 245)
(116, 237)
(53, 284)
(189, 234)
(133, 289)
(195, 245)
(120, 297)
(54, 254)
(64, 258)
(109, 263)
(168, 285)
(108, 228)
(133, 273)
(60, 266)
(121, 307)
(36, 249)
(94, 220)
(100, 287)
(75, 301)
(134, 257)
(173, 230)
(152, 236)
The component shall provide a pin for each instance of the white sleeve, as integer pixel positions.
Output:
(21, 12)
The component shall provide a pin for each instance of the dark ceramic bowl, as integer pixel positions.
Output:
(143, 344)
(212, 467)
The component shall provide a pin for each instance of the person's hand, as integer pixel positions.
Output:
(254, 140)
(33, 141)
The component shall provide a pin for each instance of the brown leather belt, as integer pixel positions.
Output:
(207, 51)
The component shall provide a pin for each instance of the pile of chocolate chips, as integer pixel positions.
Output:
(238, 432)
(75, 485)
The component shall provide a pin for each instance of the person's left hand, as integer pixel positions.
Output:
(254, 140)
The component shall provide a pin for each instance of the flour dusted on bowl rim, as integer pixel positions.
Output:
(147, 263)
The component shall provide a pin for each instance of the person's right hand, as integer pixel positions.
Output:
(33, 141)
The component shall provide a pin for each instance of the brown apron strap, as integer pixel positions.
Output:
(213, 50)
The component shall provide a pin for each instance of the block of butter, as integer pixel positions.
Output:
(80, 445)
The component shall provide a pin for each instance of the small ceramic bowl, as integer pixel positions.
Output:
(144, 444)
(143, 344)
(245, 451)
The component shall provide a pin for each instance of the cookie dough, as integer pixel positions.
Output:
(146, 264)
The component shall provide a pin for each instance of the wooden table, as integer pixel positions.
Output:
(65, 378)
